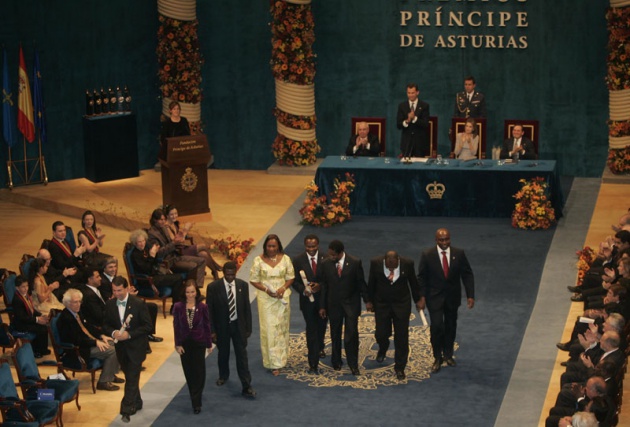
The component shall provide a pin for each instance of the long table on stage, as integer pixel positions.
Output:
(386, 186)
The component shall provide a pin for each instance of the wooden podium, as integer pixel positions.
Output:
(184, 162)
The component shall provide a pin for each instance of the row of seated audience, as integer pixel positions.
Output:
(598, 346)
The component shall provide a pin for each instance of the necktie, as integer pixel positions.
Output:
(231, 303)
(339, 269)
(413, 106)
(391, 275)
(83, 328)
(313, 265)
(444, 264)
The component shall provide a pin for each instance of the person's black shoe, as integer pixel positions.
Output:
(196, 410)
(437, 365)
(149, 351)
(355, 371)
(313, 370)
(564, 346)
(400, 375)
(107, 386)
(322, 354)
(118, 380)
(575, 289)
(563, 363)
(248, 392)
(220, 382)
(380, 356)
(450, 361)
(577, 298)
(153, 338)
(125, 418)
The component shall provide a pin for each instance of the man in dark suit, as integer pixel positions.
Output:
(131, 346)
(93, 305)
(231, 322)
(441, 272)
(343, 284)
(392, 285)
(519, 146)
(91, 341)
(364, 143)
(470, 103)
(62, 255)
(307, 263)
(64, 277)
(413, 120)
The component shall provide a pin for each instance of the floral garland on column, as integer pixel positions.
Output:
(180, 59)
(293, 67)
(618, 81)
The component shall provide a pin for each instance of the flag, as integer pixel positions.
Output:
(38, 101)
(25, 103)
(7, 103)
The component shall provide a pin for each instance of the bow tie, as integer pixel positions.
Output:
(121, 303)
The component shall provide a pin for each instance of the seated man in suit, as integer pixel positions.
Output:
(62, 256)
(519, 146)
(75, 329)
(64, 277)
(364, 143)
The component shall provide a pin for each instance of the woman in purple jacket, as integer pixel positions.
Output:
(191, 322)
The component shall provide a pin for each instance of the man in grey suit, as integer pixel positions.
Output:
(441, 272)
(391, 286)
(343, 283)
(231, 324)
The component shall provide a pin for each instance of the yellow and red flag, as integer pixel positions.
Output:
(26, 124)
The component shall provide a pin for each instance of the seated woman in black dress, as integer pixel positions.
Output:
(92, 237)
(144, 261)
(27, 320)
(174, 228)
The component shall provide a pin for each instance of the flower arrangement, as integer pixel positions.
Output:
(292, 37)
(533, 209)
(618, 77)
(619, 160)
(179, 60)
(293, 121)
(585, 258)
(618, 128)
(233, 248)
(317, 212)
(294, 153)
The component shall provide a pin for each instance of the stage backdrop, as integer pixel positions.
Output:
(537, 60)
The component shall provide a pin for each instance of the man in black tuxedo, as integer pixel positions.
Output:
(93, 305)
(519, 146)
(470, 103)
(62, 255)
(364, 143)
(91, 341)
(392, 285)
(441, 271)
(343, 284)
(131, 348)
(413, 120)
(231, 322)
(307, 263)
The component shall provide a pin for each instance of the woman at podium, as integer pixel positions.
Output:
(175, 125)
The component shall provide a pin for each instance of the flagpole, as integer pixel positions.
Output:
(9, 167)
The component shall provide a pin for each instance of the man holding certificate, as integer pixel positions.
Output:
(128, 322)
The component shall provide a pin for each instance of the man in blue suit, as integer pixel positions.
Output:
(441, 272)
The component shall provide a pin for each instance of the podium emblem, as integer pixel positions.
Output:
(189, 180)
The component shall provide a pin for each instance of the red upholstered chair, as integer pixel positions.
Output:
(376, 125)
(457, 126)
(433, 136)
(530, 130)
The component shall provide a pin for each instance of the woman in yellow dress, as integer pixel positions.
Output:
(44, 299)
(272, 274)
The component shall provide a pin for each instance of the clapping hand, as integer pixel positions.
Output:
(154, 250)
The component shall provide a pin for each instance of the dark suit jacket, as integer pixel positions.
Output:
(302, 262)
(216, 299)
(415, 135)
(373, 151)
(201, 331)
(92, 308)
(168, 248)
(59, 258)
(345, 291)
(106, 287)
(22, 319)
(399, 294)
(439, 290)
(139, 328)
(143, 263)
(526, 143)
(70, 332)
(476, 107)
